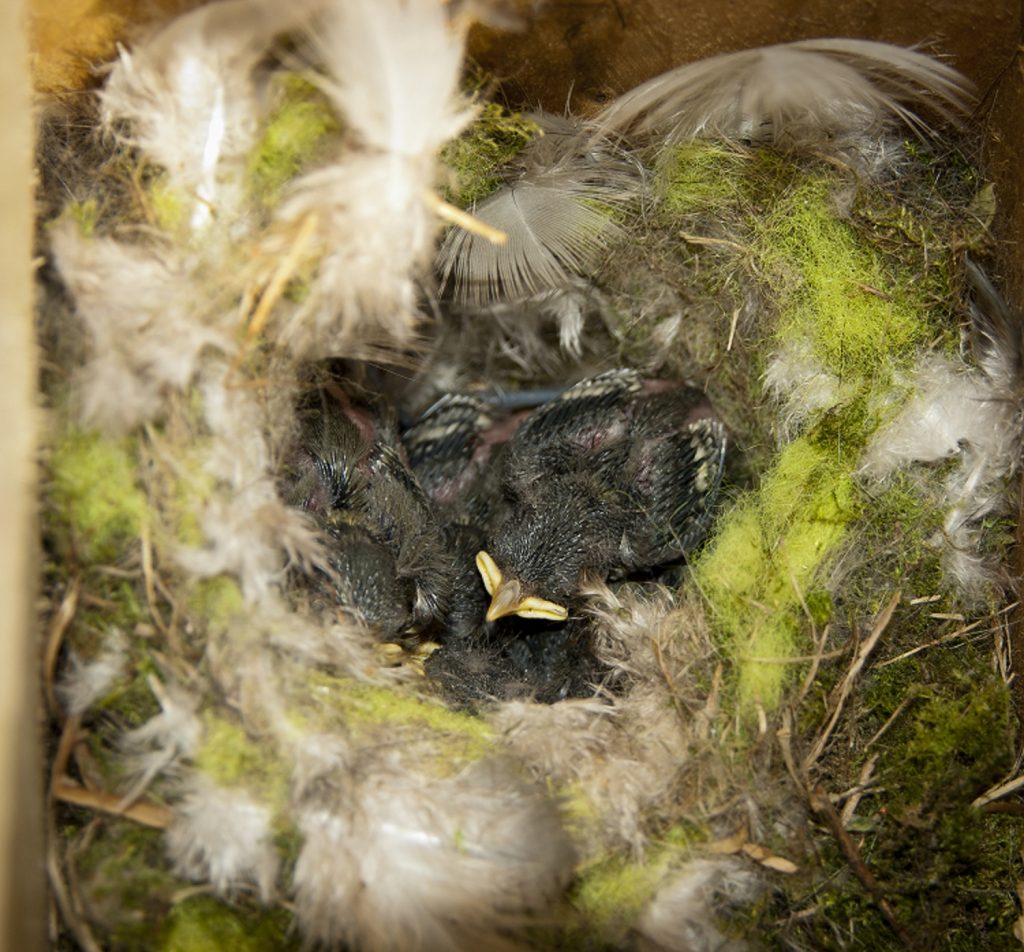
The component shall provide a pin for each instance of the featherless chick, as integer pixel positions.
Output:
(615, 477)
(391, 567)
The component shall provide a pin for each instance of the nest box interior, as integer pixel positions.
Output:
(563, 56)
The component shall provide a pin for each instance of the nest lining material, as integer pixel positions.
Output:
(288, 756)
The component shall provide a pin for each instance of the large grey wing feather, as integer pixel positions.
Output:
(831, 85)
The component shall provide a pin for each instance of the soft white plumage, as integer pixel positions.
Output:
(190, 98)
(86, 682)
(223, 836)
(147, 325)
(970, 413)
(249, 532)
(396, 859)
(682, 915)
(393, 70)
(160, 745)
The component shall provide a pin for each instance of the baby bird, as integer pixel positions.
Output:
(615, 477)
(454, 451)
(390, 563)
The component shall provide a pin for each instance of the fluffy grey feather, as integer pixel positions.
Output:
(786, 92)
(558, 215)
(394, 859)
(225, 836)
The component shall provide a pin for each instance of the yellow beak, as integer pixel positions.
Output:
(507, 597)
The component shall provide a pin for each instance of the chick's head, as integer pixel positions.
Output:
(537, 558)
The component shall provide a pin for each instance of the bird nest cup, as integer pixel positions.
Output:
(474, 528)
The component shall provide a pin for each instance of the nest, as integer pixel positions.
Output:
(805, 732)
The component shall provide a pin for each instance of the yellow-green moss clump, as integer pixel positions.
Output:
(230, 759)
(766, 559)
(216, 601)
(611, 892)
(202, 924)
(476, 158)
(333, 701)
(863, 319)
(701, 177)
(834, 292)
(299, 126)
(95, 495)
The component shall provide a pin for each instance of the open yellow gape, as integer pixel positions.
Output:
(507, 596)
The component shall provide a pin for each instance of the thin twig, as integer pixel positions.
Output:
(732, 329)
(821, 803)
(148, 584)
(58, 888)
(55, 638)
(144, 812)
(816, 659)
(997, 793)
(68, 738)
(463, 219)
(282, 275)
(932, 644)
(900, 708)
(785, 737)
(1016, 809)
(714, 242)
(863, 785)
(667, 675)
(842, 693)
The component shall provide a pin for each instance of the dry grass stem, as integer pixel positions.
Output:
(732, 329)
(62, 618)
(279, 281)
(900, 708)
(842, 692)
(464, 220)
(59, 890)
(714, 242)
(997, 792)
(143, 812)
(853, 797)
(952, 636)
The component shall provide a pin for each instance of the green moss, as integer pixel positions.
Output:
(131, 699)
(364, 707)
(123, 875)
(866, 319)
(85, 215)
(477, 157)
(168, 205)
(203, 924)
(612, 892)
(298, 128)
(96, 495)
(231, 759)
(835, 292)
(769, 551)
(215, 601)
(955, 744)
(947, 868)
(704, 176)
